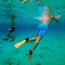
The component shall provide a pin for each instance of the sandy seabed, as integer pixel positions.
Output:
(50, 51)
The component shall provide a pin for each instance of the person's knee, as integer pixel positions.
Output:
(36, 41)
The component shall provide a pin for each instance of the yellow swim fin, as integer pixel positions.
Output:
(30, 58)
(21, 43)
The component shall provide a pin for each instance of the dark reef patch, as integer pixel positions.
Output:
(38, 63)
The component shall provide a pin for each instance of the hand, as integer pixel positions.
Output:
(55, 17)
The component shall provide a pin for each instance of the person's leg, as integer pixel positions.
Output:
(8, 35)
(33, 39)
(36, 42)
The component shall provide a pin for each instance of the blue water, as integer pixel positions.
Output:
(51, 49)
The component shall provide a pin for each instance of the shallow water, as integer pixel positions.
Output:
(51, 49)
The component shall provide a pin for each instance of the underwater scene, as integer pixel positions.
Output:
(32, 32)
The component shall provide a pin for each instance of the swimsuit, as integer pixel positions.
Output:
(42, 28)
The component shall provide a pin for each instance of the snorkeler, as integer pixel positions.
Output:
(42, 27)
(46, 19)
(11, 29)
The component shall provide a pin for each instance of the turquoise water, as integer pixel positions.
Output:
(51, 49)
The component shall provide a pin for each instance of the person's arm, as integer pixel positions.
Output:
(55, 18)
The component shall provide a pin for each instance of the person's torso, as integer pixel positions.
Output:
(46, 19)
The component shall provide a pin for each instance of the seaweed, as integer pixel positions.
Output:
(11, 61)
(40, 55)
(38, 63)
(8, 61)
